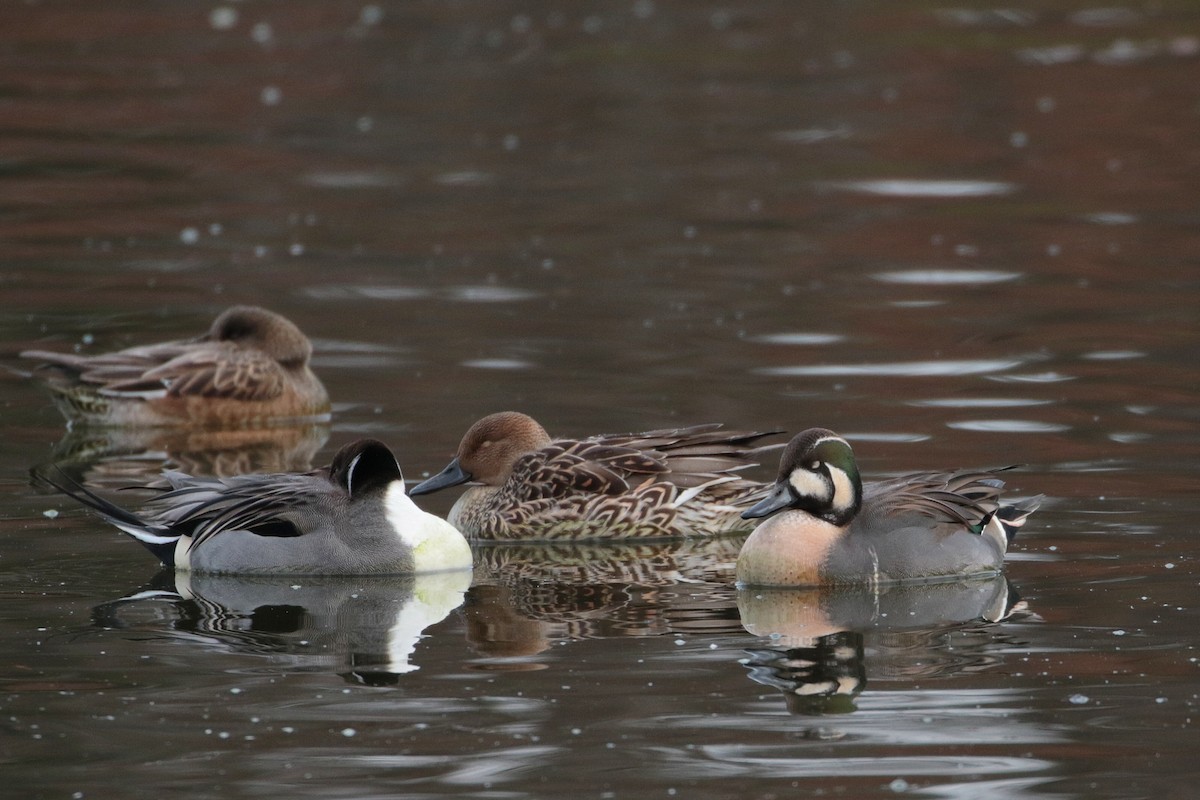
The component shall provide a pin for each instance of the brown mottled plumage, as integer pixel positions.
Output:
(660, 483)
(251, 366)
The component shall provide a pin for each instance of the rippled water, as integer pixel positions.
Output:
(962, 236)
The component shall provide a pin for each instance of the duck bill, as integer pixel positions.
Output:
(452, 475)
(779, 498)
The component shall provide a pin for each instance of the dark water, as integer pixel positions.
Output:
(961, 235)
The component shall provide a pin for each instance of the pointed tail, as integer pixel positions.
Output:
(158, 539)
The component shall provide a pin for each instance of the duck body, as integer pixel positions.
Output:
(656, 484)
(352, 519)
(251, 366)
(825, 527)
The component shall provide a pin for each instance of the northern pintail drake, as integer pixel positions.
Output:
(648, 485)
(252, 365)
(352, 519)
(830, 529)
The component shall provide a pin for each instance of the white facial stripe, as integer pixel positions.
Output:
(843, 490)
(824, 439)
(350, 474)
(809, 484)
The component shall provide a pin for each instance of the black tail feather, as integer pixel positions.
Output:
(158, 539)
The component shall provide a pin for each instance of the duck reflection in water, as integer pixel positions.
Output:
(114, 458)
(821, 678)
(364, 629)
(527, 597)
(820, 666)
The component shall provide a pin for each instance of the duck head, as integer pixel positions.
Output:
(817, 474)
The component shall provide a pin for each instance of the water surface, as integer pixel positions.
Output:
(962, 236)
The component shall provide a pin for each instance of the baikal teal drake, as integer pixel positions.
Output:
(825, 527)
(662, 483)
(251, 366)
(353, 518)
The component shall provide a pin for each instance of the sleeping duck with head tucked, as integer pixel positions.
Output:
(252, 366)
(822, 526)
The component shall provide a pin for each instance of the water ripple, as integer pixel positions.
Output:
(488, 294)
(947, 277)
(1037, 377)
(926, 188)
(497, 363)
(812, 135)
(482, 293)
(799, 338)
(1008, 426)
(898, 368)
(1114, 355)
(782, 761)
(979, 402)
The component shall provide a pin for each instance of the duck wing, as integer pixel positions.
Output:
(221, 372)
(966, 497)
(263, 505)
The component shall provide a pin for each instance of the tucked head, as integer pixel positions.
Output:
(258, 328)
(489, 450)
(817, 474)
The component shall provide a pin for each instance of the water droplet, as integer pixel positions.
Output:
(371, 15)
(189, 235)
(643, 9)
(1078, 699)
(223, 18)
(898, 785)
(262, 33)
(271, 95)
(50, 513)
(348, 732)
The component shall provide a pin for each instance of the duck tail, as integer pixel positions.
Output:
(1003, 523)
(158, 539)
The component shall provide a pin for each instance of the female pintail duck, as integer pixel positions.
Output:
(251, 366)
(831, 530)
(352, 519)
(615, 486)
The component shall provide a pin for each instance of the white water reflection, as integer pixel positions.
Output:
(799, 338)
(464, 294)
(1036, 377)
(925, 188)
(1114, 355)
(947, 277)
(812, 135)
(498, 363)
(979, 402)
(785, 761)
(898, 368)
(1008, 426)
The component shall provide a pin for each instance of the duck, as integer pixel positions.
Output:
(353, 518)
(822, 526)
(251, 366)
(650, 485)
